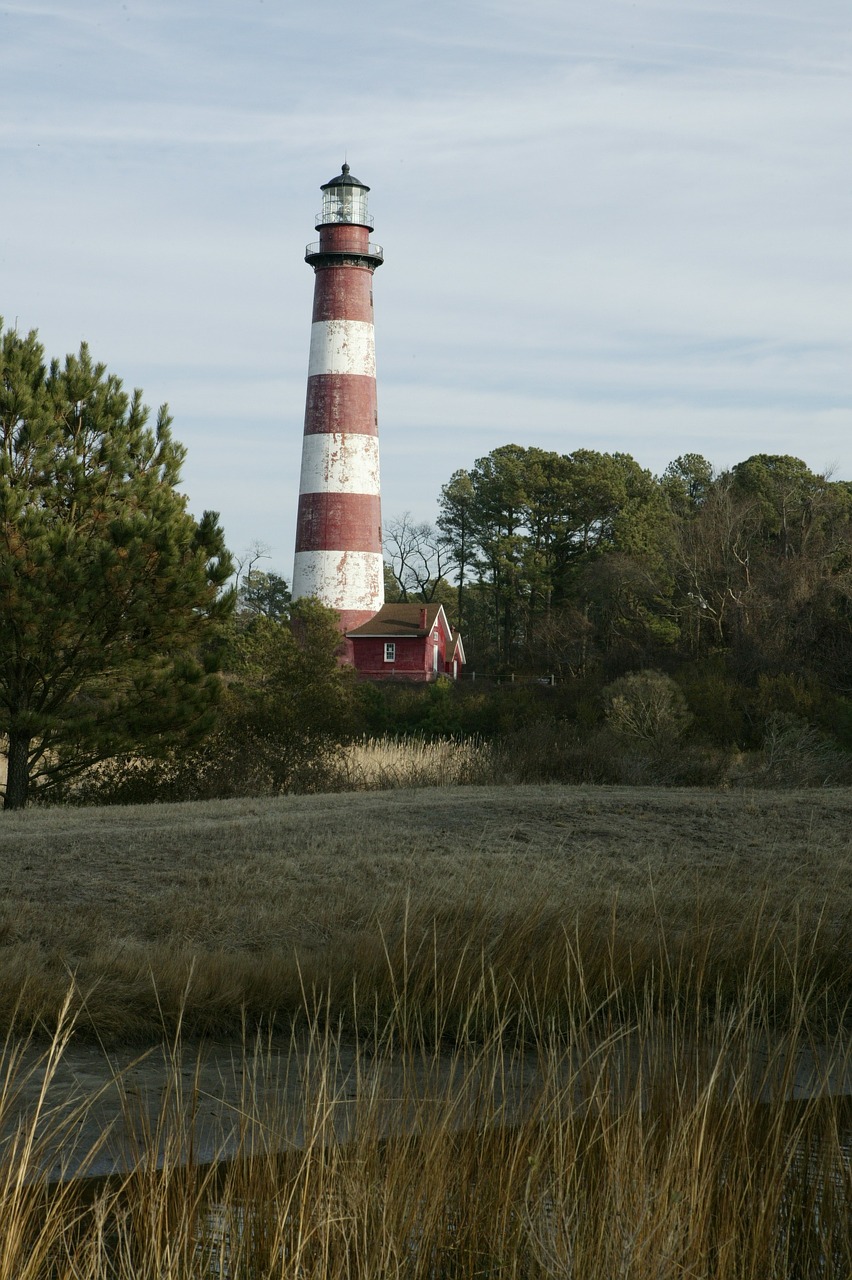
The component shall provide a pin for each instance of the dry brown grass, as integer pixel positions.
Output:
(467, 1164)
(382, 764)
(240, 908)
(576, 1016)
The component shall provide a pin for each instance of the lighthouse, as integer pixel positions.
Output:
(339, 526)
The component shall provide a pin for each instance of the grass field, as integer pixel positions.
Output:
(450, 934)
(237, 908)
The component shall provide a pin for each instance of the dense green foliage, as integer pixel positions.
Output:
(286, 708)
(289, 702)
(690, 628)
(263, 594)
(110, 591)
(562, 562)
(729, 593)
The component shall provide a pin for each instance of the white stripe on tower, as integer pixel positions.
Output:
(339, 533)
(339, 462)
(342, 346)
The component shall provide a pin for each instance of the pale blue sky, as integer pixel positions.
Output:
(606, 225)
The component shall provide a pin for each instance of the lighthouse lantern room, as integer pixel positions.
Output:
(344, 199)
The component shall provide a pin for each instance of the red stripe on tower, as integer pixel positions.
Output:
(339, 533)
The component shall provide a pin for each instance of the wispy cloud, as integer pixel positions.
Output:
(612, 225)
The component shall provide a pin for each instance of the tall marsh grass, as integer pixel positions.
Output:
(428, 959)
(630, 1149)
(535, 1032)
(382, 764)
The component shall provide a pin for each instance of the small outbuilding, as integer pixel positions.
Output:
(408, 642)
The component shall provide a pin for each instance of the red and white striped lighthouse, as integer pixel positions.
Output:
(339, 529)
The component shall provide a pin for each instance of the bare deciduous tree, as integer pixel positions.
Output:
(417, 558)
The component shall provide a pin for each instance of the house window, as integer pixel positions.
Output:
(390, 651)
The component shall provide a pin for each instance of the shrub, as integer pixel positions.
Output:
(646, 705)
(796, 754)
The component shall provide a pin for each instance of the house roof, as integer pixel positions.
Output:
(457, 648)
(403, 620)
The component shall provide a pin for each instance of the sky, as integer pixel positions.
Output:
(606, 225)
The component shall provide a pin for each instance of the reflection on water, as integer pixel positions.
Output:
(810, 1221)
(626, 1155)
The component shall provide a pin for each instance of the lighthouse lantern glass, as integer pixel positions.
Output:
(345, 204)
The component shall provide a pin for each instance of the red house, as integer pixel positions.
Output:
(407, 641)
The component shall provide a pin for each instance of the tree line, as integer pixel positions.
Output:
(696, 602)
(585, 564)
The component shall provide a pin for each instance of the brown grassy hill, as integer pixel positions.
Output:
(244, 907)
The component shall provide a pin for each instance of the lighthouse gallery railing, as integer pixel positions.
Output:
(373, 250)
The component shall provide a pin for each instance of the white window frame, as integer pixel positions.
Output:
(390, 651)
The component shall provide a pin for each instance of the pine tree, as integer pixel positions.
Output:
(263, 595)
(110, 591)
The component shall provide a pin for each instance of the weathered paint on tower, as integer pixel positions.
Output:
(339, 528)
